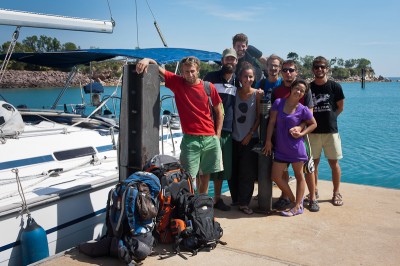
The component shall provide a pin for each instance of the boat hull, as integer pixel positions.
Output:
(70, 217)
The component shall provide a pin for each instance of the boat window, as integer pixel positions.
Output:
(74, 153)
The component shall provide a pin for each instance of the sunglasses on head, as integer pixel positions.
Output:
(291, 70)
(190, 59)
(319, 66)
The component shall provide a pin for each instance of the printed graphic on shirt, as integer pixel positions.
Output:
(321, 103)
(225, 88)
(243, 107)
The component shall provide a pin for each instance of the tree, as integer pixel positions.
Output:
(363, 63)
(350, 63)
(68, 46)
(293, 56)
(333, 62)
(55, 45)
(340, 73)
(31, 43)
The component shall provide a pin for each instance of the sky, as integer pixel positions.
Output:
(347, 29)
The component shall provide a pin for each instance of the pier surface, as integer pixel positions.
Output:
(364, 231)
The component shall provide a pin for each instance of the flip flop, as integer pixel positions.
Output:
(246, 210)
(291, 212)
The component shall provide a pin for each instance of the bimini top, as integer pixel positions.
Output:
(68, 59)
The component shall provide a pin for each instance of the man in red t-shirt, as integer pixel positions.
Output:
(200, 147)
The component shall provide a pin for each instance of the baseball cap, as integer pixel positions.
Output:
(229, 52)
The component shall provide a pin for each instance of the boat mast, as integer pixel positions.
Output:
(37, 20)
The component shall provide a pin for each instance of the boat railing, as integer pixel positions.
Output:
(166, 118)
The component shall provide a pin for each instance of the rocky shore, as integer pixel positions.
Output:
(51, 79)
(48, 79)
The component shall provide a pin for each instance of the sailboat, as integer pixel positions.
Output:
(58, 165)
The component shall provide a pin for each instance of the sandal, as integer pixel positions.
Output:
(337, 199)
(246, 210)
(291, 212)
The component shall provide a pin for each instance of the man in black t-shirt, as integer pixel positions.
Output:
(328, 100)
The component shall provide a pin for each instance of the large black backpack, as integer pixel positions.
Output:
(200, 229)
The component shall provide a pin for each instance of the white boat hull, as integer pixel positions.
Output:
(70, 203)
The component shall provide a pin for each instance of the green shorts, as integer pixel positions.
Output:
(329, 142)
(201, 154)
(226, 147)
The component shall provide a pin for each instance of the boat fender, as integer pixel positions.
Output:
(33, 242)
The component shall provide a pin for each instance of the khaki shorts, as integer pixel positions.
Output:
(201, 154)
(329, 142)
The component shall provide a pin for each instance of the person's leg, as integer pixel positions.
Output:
(283, 202)
(210, 161)
(218, 178)
(217, 189)
(233, 182)
(333, 151)
(248, 171)
(310, 181)
(277, 170)
(300, 188)
(190, 156)
(316, 148)
(300, 183)
(313, 202)
(316, 164)
(203, 183)
(336, 174)
(285, 177)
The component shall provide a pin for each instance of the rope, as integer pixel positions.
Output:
(150, 10)
(24, 207)
(8, 55)
(137, 25)
(109, 9)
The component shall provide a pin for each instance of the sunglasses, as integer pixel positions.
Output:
(190, 59)
(291, 70)
(318, 67)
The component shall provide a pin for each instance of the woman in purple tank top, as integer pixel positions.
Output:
(285, 115)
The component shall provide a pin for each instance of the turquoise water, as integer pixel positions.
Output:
(369, 128)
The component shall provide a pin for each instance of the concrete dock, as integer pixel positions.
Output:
(364, 231)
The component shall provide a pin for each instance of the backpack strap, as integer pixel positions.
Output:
(207, 89)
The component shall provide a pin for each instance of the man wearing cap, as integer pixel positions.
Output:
(224, 81)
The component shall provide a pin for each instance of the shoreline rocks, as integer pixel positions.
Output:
(48, 79)
(51, 78)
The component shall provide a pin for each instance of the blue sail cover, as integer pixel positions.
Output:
(68, 59)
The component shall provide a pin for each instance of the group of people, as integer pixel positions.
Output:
(218, 138)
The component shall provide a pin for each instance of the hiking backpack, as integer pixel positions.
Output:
(131, 211)
(198, 229)
(132, 207)
(174, 181)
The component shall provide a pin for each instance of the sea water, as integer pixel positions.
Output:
(369, 128)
